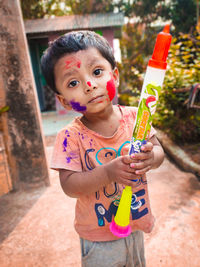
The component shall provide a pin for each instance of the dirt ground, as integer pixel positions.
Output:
(193, 150)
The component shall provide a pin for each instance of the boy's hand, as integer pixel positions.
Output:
(144, 160)
(120, 171)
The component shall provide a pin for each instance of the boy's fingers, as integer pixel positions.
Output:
(127, 159)
(126, 182)
(143, 171)
(147, 147)
(141, 156)
(140, 165)
(128, 177)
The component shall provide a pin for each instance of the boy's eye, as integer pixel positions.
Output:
(97, 72)
(73, 84)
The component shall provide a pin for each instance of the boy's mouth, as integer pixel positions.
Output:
(96, 99)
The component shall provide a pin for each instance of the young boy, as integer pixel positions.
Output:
(90, 153)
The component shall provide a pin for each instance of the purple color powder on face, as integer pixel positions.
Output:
(77, 107)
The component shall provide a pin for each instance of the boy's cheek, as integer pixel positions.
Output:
(77, 106)
(111, 89)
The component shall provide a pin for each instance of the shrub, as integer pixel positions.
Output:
(136, 45)
(172, 115)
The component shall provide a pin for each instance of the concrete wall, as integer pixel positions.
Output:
(22, 123)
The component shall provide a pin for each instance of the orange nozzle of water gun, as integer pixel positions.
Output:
(161, 49)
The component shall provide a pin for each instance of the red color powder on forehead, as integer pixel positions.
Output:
(89, 83)
(72, 63)
(67, 64)
(79, 64)
(111, 89)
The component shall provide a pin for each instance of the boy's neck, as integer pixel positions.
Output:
(101, 116)
(106, 123)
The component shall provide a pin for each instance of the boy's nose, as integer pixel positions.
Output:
(90, 86)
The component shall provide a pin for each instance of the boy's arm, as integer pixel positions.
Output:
(158, 152)
(75, 184)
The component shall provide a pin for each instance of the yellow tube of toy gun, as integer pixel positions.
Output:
(122, 216)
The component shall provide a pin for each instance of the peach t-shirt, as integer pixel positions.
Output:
(80, 149)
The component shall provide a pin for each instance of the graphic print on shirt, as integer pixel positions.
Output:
(113, 192)
(103, 214)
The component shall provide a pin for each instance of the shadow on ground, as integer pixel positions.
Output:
(14, 206)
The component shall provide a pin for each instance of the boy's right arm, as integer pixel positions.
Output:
(75, 184)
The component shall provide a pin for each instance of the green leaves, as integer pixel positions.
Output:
(4, 109)
(33, 9)
(172, 114)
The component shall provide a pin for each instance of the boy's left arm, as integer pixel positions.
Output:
(150, 157)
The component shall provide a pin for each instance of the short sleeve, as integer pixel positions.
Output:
(66, 154)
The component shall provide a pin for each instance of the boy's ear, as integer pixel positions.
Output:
(63, 102)
(116, 76)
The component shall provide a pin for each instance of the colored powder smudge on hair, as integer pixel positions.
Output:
(77, 107)
(89, 83)
(111, 89)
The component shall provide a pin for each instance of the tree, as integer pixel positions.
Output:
(90, 6)
(136, 45)
(138, 38)
(183, 15)
(146, 11)
(34, 9)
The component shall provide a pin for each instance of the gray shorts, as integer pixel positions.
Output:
(125, 252)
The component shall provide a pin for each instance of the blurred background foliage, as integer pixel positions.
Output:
(182, 124)
(144, 19)
(173, 116)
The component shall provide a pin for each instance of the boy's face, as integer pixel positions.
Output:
(85, 81)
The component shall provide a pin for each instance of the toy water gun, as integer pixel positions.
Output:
(153, 81)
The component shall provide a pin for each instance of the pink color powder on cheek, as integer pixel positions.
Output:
(111, 89)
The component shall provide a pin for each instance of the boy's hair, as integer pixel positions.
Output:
(69, 43)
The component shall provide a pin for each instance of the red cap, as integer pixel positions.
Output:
(161, 49)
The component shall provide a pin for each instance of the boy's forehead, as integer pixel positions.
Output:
(90, 55)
